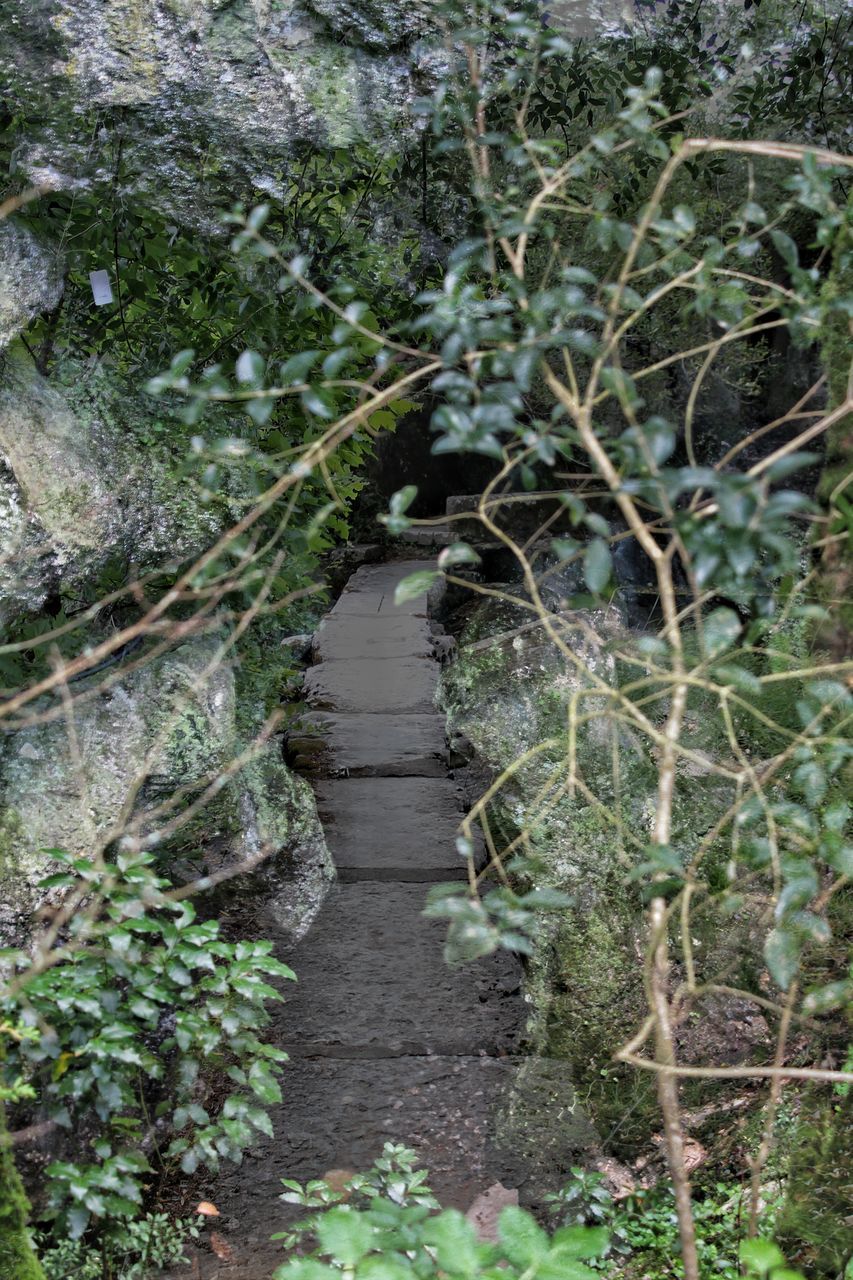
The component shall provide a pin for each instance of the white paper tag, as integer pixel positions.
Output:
(102, 290)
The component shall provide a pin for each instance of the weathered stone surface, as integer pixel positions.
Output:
(382, 24)
(336, 1115)
(399, 685)
(214, 97)
(30, 279)
(387, 1042)
(375, 745)
(370, 591)
(373, 982)
(77, 491)
(168, 724)
(392, 828)
(340, 636)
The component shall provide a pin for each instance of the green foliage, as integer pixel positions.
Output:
(145, 1007)
(502, 918)
(17, 1257)
(390, 1241)
(129, 1251)
(643, 1231)
(394, 1176)
(383, 1223)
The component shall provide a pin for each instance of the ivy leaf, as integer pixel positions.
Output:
(722, 628)
(457, 553)
(597, 565)
(782, 953)
(415, 585)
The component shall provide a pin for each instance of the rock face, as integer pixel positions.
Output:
(171, 723)
(214, 94)
(77, 491)
(30, 279)
(510, 690)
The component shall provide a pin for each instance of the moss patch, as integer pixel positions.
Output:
(17, 1259)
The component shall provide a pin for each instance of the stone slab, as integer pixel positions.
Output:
(370, 591)
(374, 745)
(338, 1115)
(392, 828)
(373, 982)
(344, 637)
(393, 686)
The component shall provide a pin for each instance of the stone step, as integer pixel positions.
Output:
(433, 535)
(371, 745)
(343, 638)
(393, 686)
(373, 982)
(370, 591)
(337, 1115)
(392, 828)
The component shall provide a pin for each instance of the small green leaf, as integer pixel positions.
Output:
(722, 628)
(403, 499)
(250, 368)
(786, 248)
(453, 1239)
(597, 564)
(296, 369)
(782, 953)
(344, 1235)
(78, 1220)
(523, 1240)
(760, 1256)
(415, 585)
(457, 553)
(581, 1242)
(375, 1268)
(738, 678)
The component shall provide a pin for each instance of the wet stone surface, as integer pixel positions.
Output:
(372, 746)
(388, 685)
(373, 982)
(412, 822)
(387, 1043)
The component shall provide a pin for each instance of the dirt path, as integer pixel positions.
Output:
(386, 1042)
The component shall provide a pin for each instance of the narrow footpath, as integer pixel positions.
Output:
(386, 1042)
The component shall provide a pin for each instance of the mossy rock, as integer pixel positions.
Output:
(17, 1257)
(814, 1227)
(85, 490)
(168, 728)
(30, 279)
(584, 979)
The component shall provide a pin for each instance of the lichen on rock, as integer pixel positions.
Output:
(30, 279)
(78, 491)
(169, 727)
(215, 97)
(511, 690)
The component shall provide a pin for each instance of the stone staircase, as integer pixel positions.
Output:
(386, 1042)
